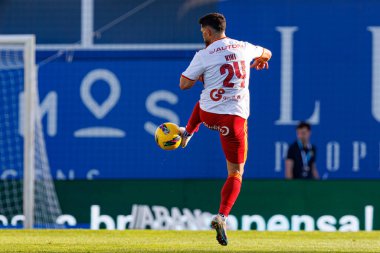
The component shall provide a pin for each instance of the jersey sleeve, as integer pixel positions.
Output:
(195, 69)
(291, 153)
(253, 51)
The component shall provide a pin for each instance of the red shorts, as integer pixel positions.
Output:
(232, 130)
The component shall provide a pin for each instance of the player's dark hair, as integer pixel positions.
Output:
(214, 20)
(304, 124)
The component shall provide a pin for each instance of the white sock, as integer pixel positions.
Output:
(224, 218)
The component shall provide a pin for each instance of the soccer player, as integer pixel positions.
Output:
(224, 68)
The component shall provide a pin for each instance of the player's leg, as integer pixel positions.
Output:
(192, 125)
(235, 147)
(229, 194)
(231, 187)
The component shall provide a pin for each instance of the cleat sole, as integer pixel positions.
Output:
(221, 236)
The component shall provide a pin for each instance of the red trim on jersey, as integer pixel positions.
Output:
(261, 54)
(187, 78)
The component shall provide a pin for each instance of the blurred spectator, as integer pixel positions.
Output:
(300, 161)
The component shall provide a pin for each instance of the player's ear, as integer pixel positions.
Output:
(208, 31)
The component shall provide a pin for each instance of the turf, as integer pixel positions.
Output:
(184, 241)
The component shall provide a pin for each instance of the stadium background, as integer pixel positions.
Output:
(324, 69)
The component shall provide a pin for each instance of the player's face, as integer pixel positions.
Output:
(303, 134)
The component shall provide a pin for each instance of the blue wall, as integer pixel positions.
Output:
(332, 66)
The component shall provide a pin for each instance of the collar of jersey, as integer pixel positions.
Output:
(217, 40)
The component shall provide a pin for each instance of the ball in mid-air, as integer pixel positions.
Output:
(168, 136)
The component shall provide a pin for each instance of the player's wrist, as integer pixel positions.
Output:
(262, 59)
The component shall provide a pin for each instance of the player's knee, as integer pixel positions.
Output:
(235, 168)
(236, 171)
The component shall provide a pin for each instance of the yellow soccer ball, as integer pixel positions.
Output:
(168, 136)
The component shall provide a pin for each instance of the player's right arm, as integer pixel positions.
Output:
(193, 72)
(186, 83)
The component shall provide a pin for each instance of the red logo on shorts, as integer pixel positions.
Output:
(217, 94)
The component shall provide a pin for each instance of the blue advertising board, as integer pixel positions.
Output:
(325, 69)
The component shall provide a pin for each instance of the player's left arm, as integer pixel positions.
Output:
(262, 61)
(314, 170)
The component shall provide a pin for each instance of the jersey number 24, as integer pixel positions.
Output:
(233, 69)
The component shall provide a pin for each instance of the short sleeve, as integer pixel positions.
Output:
(253, 51)
(291, 153)
(195, 69)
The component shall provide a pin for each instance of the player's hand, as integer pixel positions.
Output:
(260, 64)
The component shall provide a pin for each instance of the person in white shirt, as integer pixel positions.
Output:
(224, 68)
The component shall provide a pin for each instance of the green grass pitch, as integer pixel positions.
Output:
(184, 241)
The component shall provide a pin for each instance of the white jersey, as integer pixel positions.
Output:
(225, 67)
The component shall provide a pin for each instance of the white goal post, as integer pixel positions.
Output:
(28, 43)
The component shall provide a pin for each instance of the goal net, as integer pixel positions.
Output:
(27, 194)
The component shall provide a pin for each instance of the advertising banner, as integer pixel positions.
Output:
(190, 204)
